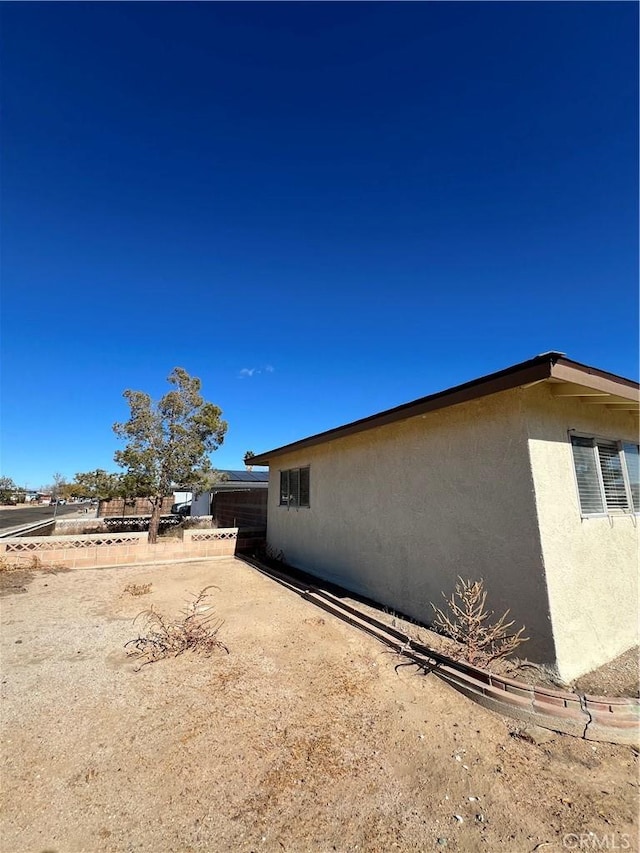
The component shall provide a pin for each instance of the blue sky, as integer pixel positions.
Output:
(322, 210)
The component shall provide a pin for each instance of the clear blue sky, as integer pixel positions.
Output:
(359, 204)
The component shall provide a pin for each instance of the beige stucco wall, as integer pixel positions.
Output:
(591, 564)
(398, 512)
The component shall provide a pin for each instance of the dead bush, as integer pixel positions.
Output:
(196, 630)
(266, 553)
(197, 522)
(138, 588)
(7, 566)
(22, 564)
(482, 640)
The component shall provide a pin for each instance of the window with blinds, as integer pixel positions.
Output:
(607, 475)
(633, 472)
(284, 488)
(295, 487)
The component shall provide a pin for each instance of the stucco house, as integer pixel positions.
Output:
(528, 478)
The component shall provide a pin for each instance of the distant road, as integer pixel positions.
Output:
(30, 514)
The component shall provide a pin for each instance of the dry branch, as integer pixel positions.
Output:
(196, 631)
(469, 623)
(138, 588)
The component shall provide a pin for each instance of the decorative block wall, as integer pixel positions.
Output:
(109, 549)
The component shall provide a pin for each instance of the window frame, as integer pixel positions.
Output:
(606, 512)
(286, 473)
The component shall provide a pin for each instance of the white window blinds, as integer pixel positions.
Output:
(612, 477)
(606, 474)
(584, 460)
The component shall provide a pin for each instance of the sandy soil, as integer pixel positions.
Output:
(307, 736)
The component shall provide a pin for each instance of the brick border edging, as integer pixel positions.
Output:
(607, 719)
(597, 718)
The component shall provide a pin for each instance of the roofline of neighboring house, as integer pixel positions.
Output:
(549, 365)
(226, 481)
(239, 486)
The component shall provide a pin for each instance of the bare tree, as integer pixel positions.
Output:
(58, 482)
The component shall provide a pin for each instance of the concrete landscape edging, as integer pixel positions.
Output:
(598, 718)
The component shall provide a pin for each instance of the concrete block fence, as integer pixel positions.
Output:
(118, 549)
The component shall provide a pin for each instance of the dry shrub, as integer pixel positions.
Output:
(469, 624)
(138, 588)
(196, 631)
(269, 555)
(23, 563)
(7, 566)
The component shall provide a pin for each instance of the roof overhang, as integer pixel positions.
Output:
(594, 389)
(569, 379)
(239, 486)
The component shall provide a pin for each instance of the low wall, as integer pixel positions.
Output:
(119, 549)
(116, 524)
(81, 526)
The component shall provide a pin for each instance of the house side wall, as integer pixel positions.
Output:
(591, 563)
(398, 512)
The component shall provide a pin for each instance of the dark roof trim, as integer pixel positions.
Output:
(232, 478)
(244, 476)
(535, 370)
(239, 486)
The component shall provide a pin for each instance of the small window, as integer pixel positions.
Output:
(607, 475)
(295, 487)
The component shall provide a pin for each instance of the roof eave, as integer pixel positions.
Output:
(590, 377)
(534, 370)
(550, 365)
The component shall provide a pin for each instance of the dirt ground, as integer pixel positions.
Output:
(307, 736)
(619, 677)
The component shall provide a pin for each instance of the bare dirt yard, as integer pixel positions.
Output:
(307, 736)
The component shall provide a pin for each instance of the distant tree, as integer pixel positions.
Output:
(67, 491)
(98, 484)
(248, 456)
(7, 490)
(208, 480)
(128, 487)
(169, 441)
